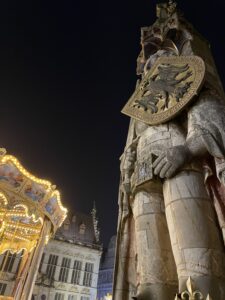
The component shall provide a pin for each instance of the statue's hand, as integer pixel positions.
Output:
(170, 161)
(222, 177)
(127, 166)
(126, 187)
(126, 184)
(128, 161)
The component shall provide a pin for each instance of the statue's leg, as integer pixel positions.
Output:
(195, 235)
(157, 277)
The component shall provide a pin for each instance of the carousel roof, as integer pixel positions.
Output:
(25, 203)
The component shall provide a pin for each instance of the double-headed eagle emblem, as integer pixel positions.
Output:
(166, 89)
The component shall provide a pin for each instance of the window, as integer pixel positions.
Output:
(19, 261)
(72, 297)
(2, 288)
(64, 271)
(52, 263)
(59, 296)
(66, 226)
(7, 262)
(110, 276)
(88, 274)
(41, 262)
(74, 219)
(75, 279)
(82, 228)
(84, 298)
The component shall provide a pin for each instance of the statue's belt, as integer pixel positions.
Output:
(144, 172)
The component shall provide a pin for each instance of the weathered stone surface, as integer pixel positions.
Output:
(172, 199)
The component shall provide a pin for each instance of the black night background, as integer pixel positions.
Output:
(66, 70)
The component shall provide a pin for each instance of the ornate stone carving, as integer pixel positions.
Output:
(85, 291)
(95, 223)
(60, 286)
(191, 293)
(166, 89)
(90, 258)
(74, 289)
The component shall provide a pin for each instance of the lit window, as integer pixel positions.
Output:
(87, 281)
(82, 228)
(51, 267)
(64, 271)
(2, 288)
(75, 279)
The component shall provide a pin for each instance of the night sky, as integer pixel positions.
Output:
(66, 70)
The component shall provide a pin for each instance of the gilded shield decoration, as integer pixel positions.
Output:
(166, 89)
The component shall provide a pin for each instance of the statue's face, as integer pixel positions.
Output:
(158, 11)
(145, 54)
(162, 10)
(143, 65)
(153, 38)
(150, 45)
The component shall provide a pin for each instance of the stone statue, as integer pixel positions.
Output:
(171, 227)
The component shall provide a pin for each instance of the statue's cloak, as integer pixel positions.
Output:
(124, 270)
(206, 120)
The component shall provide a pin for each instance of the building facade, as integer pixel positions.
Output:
(9, 266)
(70, 263)
(105, 279)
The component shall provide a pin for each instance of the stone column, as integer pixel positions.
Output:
(195, 236)
(155, 263)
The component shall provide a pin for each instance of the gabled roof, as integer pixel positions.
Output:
(78, 228)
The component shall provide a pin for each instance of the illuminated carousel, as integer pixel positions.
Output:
(30, 212)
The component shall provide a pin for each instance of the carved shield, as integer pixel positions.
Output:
(166, 89)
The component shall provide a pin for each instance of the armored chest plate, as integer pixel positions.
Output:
(166, 89)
